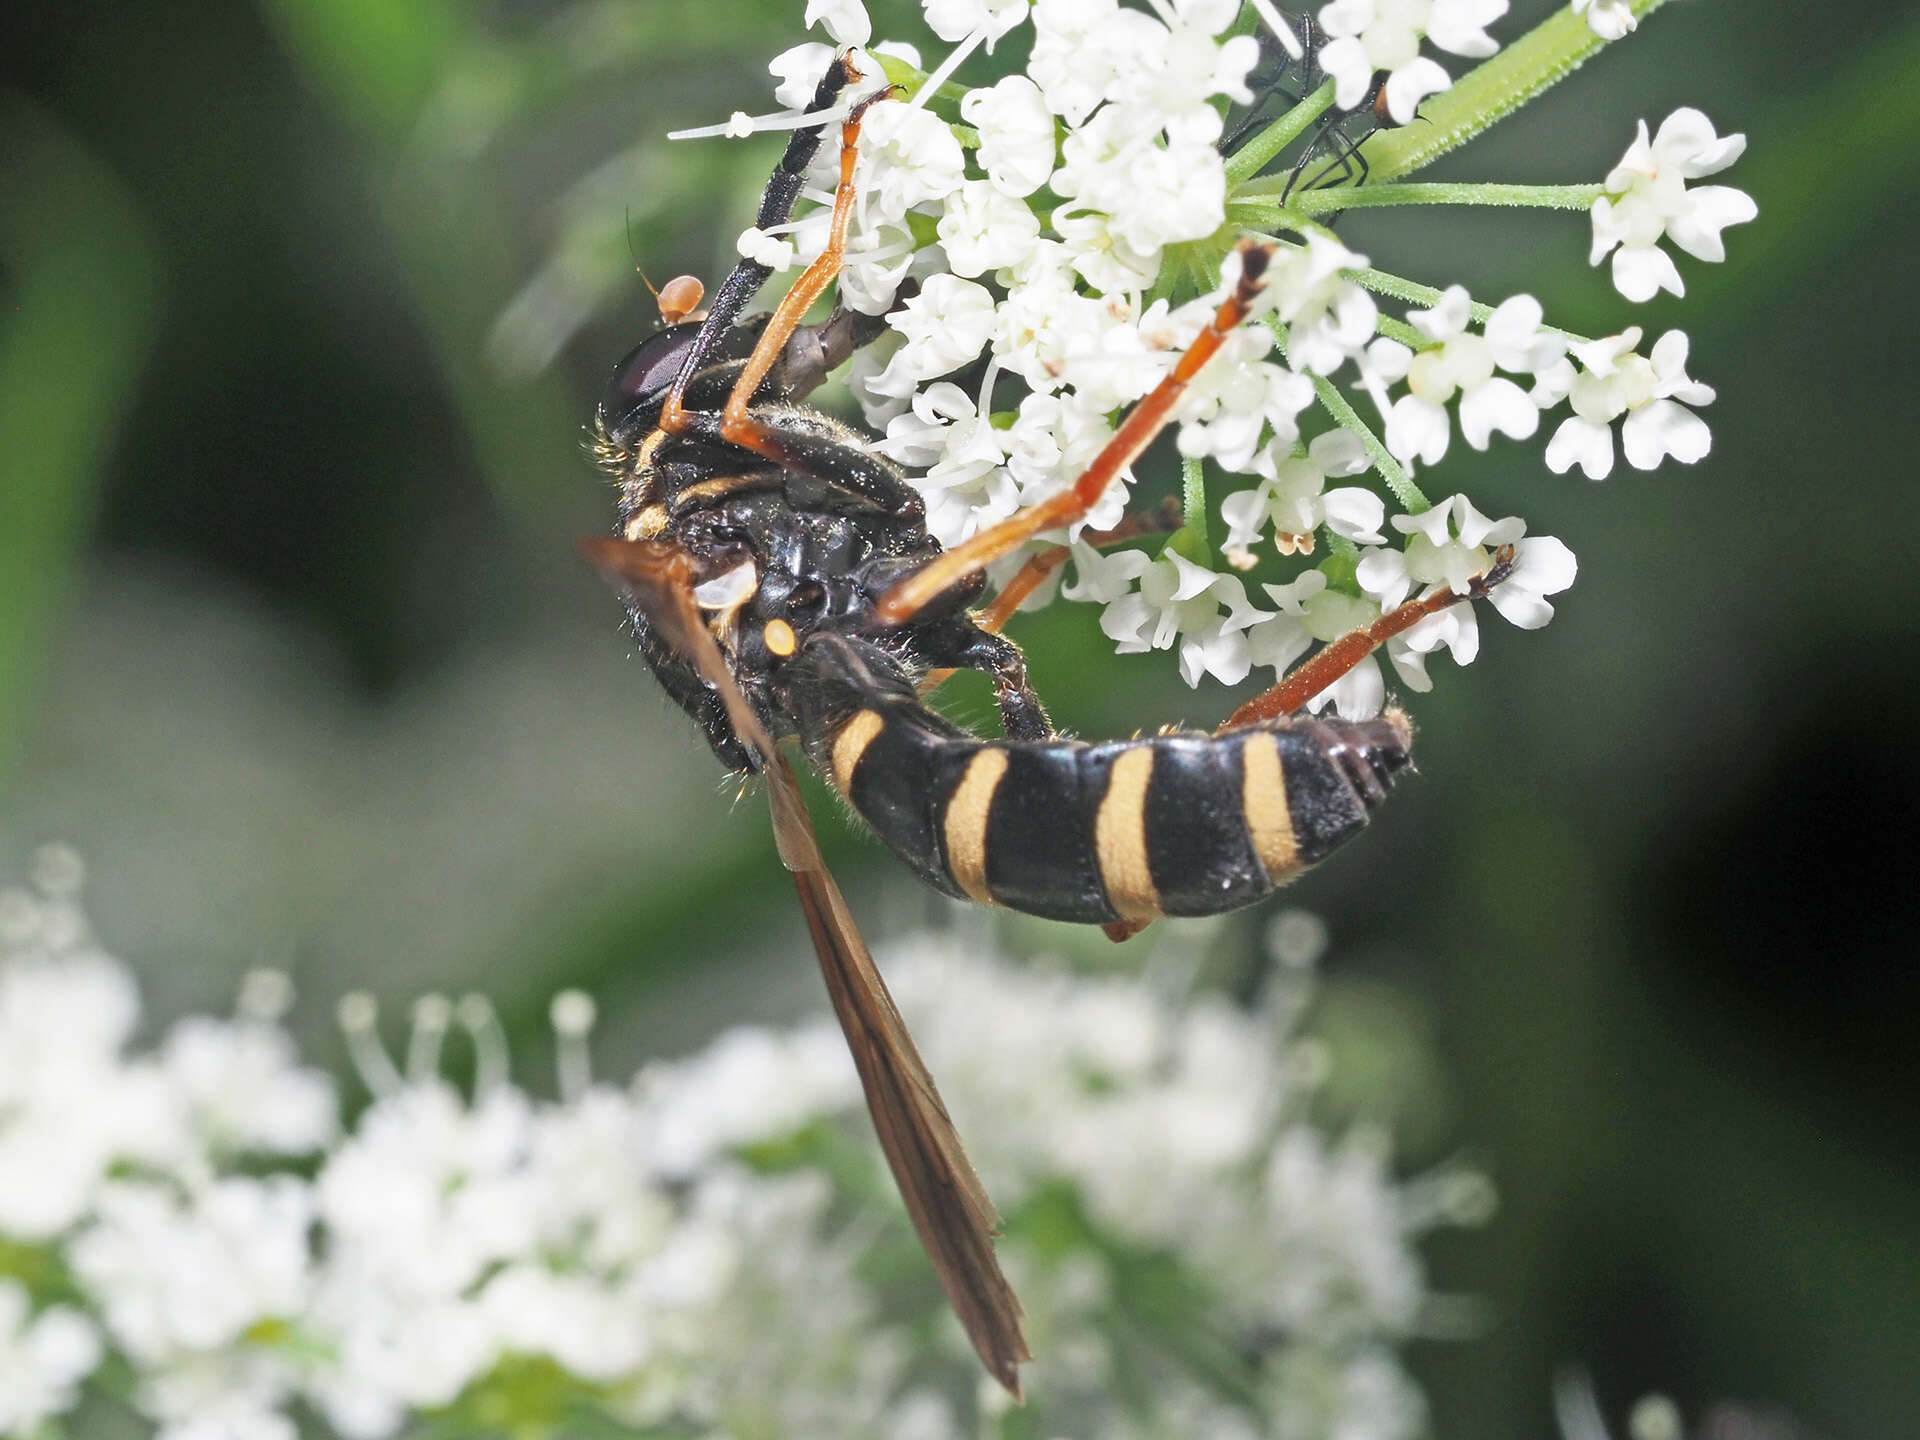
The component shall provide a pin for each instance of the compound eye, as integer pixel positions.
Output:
(642, 379)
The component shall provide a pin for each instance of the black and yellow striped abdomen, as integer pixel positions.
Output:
(1176, 824)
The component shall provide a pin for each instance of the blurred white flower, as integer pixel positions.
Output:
(749, 1085)
(984, 229)
(43, 1359)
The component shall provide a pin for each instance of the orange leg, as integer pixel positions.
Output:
(1337, 657)
(1146, 420)
(736, 425)
(1031, 576)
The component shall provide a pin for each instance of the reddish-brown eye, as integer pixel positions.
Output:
(641, 380)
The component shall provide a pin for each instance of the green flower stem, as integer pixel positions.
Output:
(1487, 94)
(1252, 157)
(1400, 330)
(1191, 539)
(1390, 469)
(1539, 197)
(1254, 213)
(1382, 283)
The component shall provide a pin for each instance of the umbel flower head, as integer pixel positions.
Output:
(711, 1248)
(1044, 244)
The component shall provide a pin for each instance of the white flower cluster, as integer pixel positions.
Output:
(711, 1250)
(1046, 246)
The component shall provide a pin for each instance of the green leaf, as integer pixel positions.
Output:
(78, 319)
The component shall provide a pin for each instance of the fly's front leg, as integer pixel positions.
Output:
(1144, 421)
(746, 277)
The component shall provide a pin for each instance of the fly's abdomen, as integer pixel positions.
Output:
(1176, 824)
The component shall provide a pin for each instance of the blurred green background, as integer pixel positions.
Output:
(302, 306)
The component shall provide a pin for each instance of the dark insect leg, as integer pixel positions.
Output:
(737, 423)
(816, 351)
(1146, 420)
(960, 643)
(1163, 519)
(1337, 657)
(1327, 132)
(746, 278)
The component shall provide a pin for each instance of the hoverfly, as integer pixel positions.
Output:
(782, 584)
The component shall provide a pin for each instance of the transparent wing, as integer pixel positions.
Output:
(949, 1207)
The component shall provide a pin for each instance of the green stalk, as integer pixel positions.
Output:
(1487, 94)
(1539, 197)
(1192, 539)
(1390, 469)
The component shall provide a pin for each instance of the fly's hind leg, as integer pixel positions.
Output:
(743, 282)
(1337, 657)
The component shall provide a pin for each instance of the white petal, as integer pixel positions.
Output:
(1669, 357)
(1687, 142)
(1359, 694)
(1345, 60)
(1542, 564)
(1583, 443)
(1417, 430)
(1497, 405)
(1410, 84)
(845, 20)
(1245, 512)
(1553, 384)
(1710, 209)
(1338, 452)
(1608, 230)
(1125, 620)
(1387, 360)
(1411, 666)
(1664, 428)
(1382, 573)
(1641, 272)
(1355, 513)
(799, 70)
(1195, 580)
(1449, 317)
(1277, 641)
(1459, 26)
(1521, 608)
